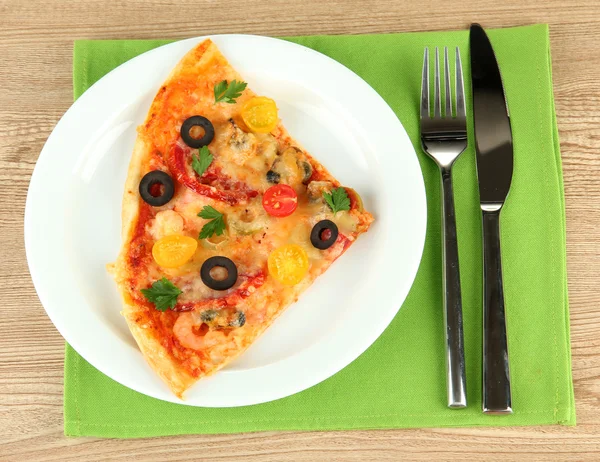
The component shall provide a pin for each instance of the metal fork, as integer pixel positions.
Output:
(444, 138)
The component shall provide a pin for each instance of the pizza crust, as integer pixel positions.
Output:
(143, 148)
(159, 359)
(157, 355)
(131, 195)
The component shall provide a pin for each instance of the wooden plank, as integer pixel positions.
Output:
(35, 81)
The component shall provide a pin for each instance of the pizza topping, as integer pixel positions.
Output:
(288, 264)
(346, 222)
(241, 146)
(306, 169)
(290, 168)
(163, 294)
(239, 320)
(212, 273)
(213, 183)
(280, 200)
(228, 92)
(324, 234)
(249, 220)
(293, 167)
(260, 114)
(315, 190)
(192, 332)
(214, 242)
(337, 200)
(156, 188)
(223, 318)
(208, 315)
(201, 161)
(355, 200)
(165, 222)
(273, 177)
(191, 127)
(198, 297)
(216, 225)
(266, 153)
(174, 250)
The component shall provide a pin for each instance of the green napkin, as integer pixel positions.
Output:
(400, 380)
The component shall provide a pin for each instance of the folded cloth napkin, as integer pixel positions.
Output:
(400, 380)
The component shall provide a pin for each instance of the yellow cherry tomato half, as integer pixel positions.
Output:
(260, 114)
(174, 250)
(288, 264)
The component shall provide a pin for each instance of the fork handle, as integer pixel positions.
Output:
(453, 322)
(496, 376)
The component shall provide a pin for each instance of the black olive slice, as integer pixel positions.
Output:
(222, 262)
(197, 121)
(321, 230)
(157, 188)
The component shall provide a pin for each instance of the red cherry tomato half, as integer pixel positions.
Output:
(280, 200)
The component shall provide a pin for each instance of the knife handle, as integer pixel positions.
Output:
(453, 322)
(496, 376)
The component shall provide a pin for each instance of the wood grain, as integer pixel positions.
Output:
(36, 40)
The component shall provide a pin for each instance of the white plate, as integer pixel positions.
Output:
(73, 214)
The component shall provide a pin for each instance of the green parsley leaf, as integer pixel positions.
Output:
(163, 294)
(201, 161)
(338, 200)
(215, 226)
(227, 93)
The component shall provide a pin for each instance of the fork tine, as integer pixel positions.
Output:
(447, 84)
(425, 86)
(461, 110)
(437, 105)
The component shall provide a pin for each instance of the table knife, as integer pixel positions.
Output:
(494, 154)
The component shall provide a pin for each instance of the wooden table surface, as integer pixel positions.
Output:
(36, 42)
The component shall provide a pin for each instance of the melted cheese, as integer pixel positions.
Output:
(165, 223)
(251, 234)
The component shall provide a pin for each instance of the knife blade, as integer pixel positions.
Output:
(494, 154)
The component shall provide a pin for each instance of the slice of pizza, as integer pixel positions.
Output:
(226, 220)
